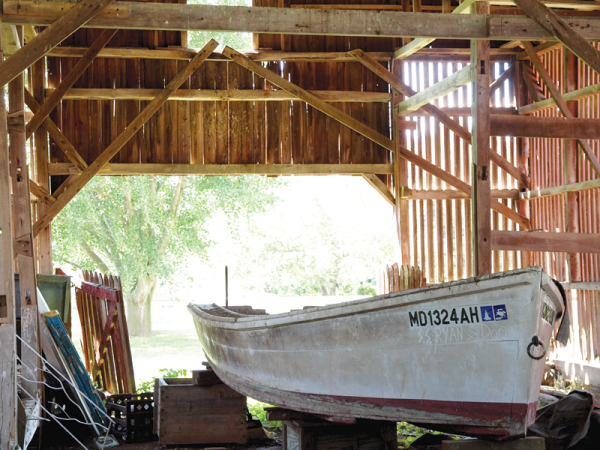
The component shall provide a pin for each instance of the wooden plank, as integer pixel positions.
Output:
(229, 169)
(480, 150)
(440, 89)
(501, 79)
(124, 137)
(187, 54)
(562, 31)
(59, 138)
(66, 24)
(436, 112)
(418, 44)
(578, 94)
(8, 331)
(221, 95)
(380, 187)
(161, 16)
(546, 241)
(545, 127)
(547, 192)
(560, 102)
(68, 81)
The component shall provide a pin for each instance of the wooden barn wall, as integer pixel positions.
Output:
(440, 230)
(217, 132)
(547, 159)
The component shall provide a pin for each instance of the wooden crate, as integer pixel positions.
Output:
(188, 413)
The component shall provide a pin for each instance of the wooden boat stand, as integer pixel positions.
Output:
(315, 432)
(306, 431)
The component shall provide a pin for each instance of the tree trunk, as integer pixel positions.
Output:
(139, 303)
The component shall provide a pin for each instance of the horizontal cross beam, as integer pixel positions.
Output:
(546, 242)
(183, 17)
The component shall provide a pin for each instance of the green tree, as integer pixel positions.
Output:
(236, 40)
(144, 228)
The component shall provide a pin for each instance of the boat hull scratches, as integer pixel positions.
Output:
(488, 420)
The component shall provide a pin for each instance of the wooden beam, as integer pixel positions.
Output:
(546, 241)
(582, 285)
(8, 329)
(440, 89)
(60, 139)
(183, 17)
(418, 44)
(560, 101)
(230, 169)
(68, 81)
(465, 111)
(125, 136)
(562, 31)
(436, 112)
(380, 187)
(579, 94)
(547, 192)
(23, 246)
(545, 127)
(453, 194)
(481, 197)
(185, 54)
(231, 95)
(41, 193)
(65, 25)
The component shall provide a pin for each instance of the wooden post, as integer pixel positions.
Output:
(522, 152)
(23, 239)
(40, 163)
(480, 169)
(400, 175)
(8, 373)
(571, 166)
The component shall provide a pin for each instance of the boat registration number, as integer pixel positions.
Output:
(457, 316)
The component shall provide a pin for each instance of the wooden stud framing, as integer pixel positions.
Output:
(124, 137)
(440, 89)
(547, 192)
(560, 102)
(66, 24)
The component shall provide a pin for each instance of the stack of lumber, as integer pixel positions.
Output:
(396, 278)
(105, 337)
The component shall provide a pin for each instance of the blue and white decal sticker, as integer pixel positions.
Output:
(500, 312)
(487, 314)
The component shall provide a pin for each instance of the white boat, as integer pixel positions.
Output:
(466, 356)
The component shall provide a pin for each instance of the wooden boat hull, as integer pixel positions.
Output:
(451, 356)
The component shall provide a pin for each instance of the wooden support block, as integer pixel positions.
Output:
(191, 414)
(529, 443)
(205, 378)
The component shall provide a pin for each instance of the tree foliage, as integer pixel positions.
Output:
(144, 228)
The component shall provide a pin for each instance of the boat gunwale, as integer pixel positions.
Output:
(361, 306)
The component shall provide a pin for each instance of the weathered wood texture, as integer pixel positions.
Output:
(550, 213)
(187, 413)
(176, 17)
(8, 362)
(274, 128)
